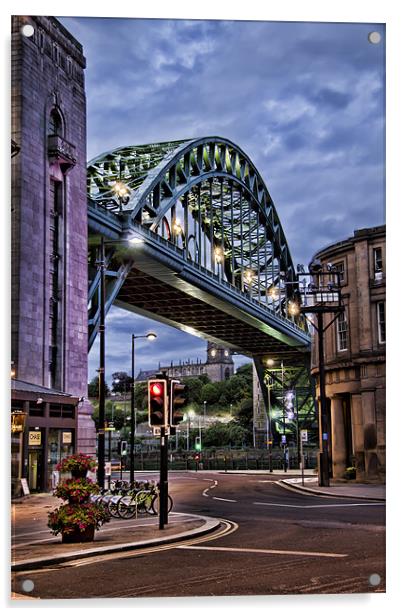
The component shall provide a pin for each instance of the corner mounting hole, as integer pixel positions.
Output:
(27, 585)
(374, 38)
(27, 30)
(374, 579)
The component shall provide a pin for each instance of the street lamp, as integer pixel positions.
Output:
(101, 264)
(321, 293)
(149, 336)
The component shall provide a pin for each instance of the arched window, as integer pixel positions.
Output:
(55, 126)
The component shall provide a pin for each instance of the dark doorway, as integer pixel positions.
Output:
(35, 470)
(347, 422)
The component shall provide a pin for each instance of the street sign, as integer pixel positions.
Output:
(25, 487)
(35, 438)
(157, 431)
(304, 436)
(67, 438)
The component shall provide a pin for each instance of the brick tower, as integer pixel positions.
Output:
(49, 216)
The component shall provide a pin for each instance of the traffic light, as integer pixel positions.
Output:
(198, 443)
(178, 398)
(157, 402)
(122, 448)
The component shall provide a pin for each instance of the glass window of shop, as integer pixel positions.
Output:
(16, 462)
(59, 445)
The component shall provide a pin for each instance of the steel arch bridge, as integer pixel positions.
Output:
(211, 259)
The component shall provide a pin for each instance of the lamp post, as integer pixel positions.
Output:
(149, 336)
(101, 387)
(101, 264)
(324, 294)
(269, 421)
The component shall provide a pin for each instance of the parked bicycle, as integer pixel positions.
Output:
(144, 498)
(110, 496)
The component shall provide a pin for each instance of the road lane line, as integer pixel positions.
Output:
(320, 506)
(260, 551)
(227, 500)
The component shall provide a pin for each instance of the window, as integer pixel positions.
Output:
(381, 322)
(55, 126)
(62, 410)
(377, 256)
(36, 409)
(342, 332)
(340, 267)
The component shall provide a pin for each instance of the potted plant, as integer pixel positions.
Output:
(77, 464)
(76, 490)
(78, 519)
(77, 522)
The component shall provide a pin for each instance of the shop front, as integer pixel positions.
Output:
(44, 430)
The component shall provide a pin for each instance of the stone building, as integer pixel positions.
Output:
(218, 367)
(354, 348)
(49, 237)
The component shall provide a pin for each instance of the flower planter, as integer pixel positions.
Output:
(78, 474)
(79, 536)
(77, 509)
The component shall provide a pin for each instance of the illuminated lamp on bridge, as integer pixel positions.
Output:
(177, 227)
(249, 276)
(122, 192)
(218, 253)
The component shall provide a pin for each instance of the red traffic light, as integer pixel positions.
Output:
(157, 402)
(156, 389)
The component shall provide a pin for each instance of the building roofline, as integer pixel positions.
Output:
(358, 235)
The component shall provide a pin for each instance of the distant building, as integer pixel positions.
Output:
(218, 367)
(354, 348)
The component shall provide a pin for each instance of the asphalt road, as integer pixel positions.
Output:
(276, 542)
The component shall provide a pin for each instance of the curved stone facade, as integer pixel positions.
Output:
(354, 348)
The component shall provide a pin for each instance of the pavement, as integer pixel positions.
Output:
(33, 547)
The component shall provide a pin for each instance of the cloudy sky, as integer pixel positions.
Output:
(304, 100)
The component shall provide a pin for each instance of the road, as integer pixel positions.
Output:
(276, 541)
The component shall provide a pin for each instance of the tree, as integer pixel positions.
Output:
(93, 388)
(194, 388)
(121, 382)
(224, 435)
(211, 393)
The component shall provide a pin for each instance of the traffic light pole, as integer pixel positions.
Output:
(324, 461)
(163, 480)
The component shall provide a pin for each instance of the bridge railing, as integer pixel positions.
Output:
(206, 272)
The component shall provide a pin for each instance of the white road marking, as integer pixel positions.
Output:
(227, 500)
(259, 551)
(204, 493)
(320, 506)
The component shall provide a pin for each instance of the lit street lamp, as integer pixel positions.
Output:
(101, 264)
(320, 294)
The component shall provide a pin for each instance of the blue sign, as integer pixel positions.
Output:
(324, 436)
(283, 439)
